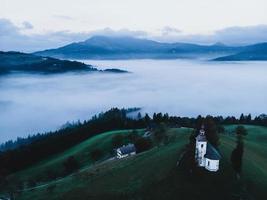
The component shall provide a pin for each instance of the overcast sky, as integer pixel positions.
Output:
(158, 19)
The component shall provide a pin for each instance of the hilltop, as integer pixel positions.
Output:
(250, 53)
(154, 174)
(103, 47)
(77, 162)
(23, 62)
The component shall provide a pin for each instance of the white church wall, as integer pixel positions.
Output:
(211, 165)
(201, 148)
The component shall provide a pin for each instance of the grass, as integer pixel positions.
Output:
(154, 174)
(81, 152)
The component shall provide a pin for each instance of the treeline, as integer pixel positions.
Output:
(41, 146)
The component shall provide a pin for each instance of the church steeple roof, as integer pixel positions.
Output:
(201, 136)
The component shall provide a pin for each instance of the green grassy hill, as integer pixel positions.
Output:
(154, 174)
(81, 152)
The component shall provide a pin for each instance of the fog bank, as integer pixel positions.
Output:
(36, 103)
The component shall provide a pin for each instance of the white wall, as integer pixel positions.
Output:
(211, 165)
(201, 148)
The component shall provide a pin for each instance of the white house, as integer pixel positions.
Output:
(206, 155)
(126, 150)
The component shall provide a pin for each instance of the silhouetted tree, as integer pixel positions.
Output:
(133, 136)
(237, 154)
(160, 133)
(70, 165)
(211, 131)
(117, 140)
(139, 116)
(241, 130)
(96, 154)
(143, 144)
(220, 129)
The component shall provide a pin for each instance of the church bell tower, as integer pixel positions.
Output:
(201, 147)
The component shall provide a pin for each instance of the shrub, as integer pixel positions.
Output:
(96, 154)
(70, 165)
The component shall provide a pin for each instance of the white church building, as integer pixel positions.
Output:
(206, 155)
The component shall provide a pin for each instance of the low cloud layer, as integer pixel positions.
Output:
(18, 38)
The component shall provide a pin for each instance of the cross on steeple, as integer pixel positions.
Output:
(202, 130)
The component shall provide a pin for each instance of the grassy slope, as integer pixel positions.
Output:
(154, 175)
(80, 151)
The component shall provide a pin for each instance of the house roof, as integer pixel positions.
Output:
(127, 149)
(212, 153)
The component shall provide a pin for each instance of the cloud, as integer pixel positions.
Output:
(27, 25)
(7, 28)
(167, 31)
(15, 38)
(64, 17)
(119, 33)
(230, 36)
(242, 35)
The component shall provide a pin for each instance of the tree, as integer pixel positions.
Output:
(237, 154)
(96, 154)
(133, 136)
(241, 130)
(211, 131)
(242, 118)
(220, 129)
(70, 165)
(117, 140)
(139, 116)
(147, 119)
(143, 144)
(160, 133)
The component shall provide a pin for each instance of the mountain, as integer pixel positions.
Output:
(250, 53)
(22, 62)
(16, 61)
(101, 47)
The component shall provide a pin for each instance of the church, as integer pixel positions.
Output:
(206, 155)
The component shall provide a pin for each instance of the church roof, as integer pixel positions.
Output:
(212, 153)
(201, 137)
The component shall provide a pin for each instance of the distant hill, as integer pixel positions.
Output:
(101, 47)
(16, 61)
(22, 62)
(153, 174)
(250, 53)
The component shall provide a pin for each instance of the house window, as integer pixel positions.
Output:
(202, 145)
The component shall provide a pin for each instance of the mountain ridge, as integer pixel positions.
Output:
(102, 47)
(257, 52)
(23, 62)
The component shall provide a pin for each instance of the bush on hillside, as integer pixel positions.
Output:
(96, 154)
(70, 165)
(117, 141)
(143, 144)
(241, 131)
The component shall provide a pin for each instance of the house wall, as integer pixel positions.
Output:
(201, 147)
(211, 165)
(120, 155)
